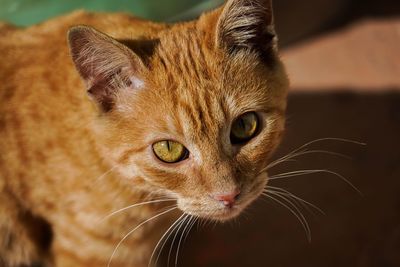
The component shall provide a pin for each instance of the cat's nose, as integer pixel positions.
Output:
(228, 199)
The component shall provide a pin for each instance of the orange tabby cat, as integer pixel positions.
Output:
(188, 112)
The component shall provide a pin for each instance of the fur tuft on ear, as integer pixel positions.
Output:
(105, 65)
(246, 24)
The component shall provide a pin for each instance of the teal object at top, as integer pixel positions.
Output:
(28, 12)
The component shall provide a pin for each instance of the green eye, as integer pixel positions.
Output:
(170, 151)
(244, 128)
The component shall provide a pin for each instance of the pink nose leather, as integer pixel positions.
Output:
(227, 199)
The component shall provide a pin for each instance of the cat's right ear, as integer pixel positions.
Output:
(246, 24)
(105, 65)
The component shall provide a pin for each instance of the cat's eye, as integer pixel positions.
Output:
(170, 151)
(244, 128)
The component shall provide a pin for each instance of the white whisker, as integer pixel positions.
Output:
(327, 139)
(295, 197)
(300, 217)
(293, 173)
(175, 235)
(190, 228)
(137, 205)
(180, 239)
(300, 153)
(303, 172)
(292, 204)
(169, 231)
(134, 229)
(333, 139)
(104, 174)
(298, 150)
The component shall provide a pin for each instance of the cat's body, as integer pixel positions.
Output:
(49, 155)
(67, 162)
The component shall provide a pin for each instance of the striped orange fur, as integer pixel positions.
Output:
(68, 157)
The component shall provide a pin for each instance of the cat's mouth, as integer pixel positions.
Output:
(211, 210)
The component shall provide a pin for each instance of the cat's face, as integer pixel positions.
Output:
(199, 119)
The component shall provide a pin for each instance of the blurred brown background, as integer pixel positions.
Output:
(344, 63)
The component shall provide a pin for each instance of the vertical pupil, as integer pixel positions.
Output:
(242, 124)
(168, 146)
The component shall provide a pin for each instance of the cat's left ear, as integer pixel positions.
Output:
(246, 24)
(105, 64)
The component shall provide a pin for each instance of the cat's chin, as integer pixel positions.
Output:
(227, 214)
(220, 214)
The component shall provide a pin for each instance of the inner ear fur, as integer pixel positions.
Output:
(105, 64)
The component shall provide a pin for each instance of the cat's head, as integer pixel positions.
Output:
(195, 111)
